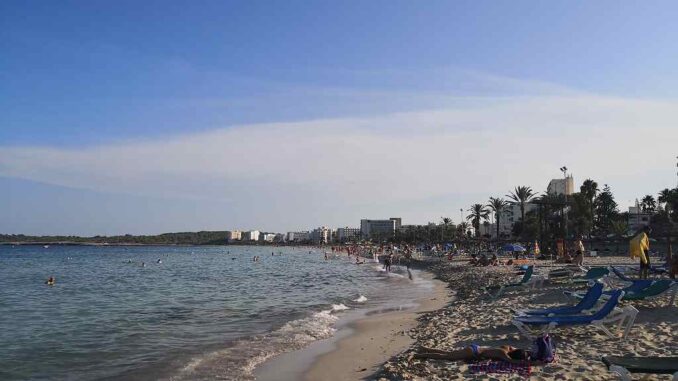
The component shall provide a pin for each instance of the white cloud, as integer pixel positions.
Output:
(362, 165)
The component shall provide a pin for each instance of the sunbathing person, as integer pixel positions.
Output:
(473, 260)
(474, 353)
(483, 261)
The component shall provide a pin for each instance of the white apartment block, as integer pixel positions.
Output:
(233, 235)
(267, 237)
(379, 228)
(508, 217)
(346, 234)
(301, 236)
(637, 219)
(322, 234)
(252, 235)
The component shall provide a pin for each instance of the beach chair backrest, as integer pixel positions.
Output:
(620, 274)
(596, 273)
(656, 288)
(591, 298)
(638, 285)
(609, 305)
(527, 275)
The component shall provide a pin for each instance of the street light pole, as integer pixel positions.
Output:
(563, 211)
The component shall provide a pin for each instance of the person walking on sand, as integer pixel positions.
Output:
(579, 258)
(639, 247)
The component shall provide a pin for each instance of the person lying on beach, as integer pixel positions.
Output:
(474, 353)
(473, 260)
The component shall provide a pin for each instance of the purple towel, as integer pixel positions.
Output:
(489, 366)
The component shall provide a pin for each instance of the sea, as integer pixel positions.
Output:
(178, 312)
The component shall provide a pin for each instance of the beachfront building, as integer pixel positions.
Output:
(638, 219)
(561, 186)
(508, 217)
(321, 235)
(233, 235)
(252, 235)
(279, 237)
(348, 234)
(487, 229)
(379, 228)
(301, 236)
(267, 237)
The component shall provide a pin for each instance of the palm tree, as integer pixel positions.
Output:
(589, 189)
(648, 204)
(462, 228)
(446, 221)
(477, 212)
(664, 196)
(497, 205)
(521, 195)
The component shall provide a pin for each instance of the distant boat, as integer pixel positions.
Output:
(46, 246)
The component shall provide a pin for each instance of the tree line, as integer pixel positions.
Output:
(181, 238)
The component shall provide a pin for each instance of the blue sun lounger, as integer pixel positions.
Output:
(620, 274)
(532, 326)
(594, 273)
(635, 286)
(527, 280)
(586, 303)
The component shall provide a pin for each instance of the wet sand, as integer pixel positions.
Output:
(374, 340)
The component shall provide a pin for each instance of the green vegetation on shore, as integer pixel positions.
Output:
(183, 238)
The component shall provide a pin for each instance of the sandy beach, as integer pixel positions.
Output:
(473, 317)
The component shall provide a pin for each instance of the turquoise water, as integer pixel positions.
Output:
(203, 313)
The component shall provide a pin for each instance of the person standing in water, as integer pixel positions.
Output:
(387, 262)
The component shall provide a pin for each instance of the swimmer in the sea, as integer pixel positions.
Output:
(50, 281)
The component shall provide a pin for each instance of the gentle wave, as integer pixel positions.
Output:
(239, 361)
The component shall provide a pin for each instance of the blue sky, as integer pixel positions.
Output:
(84, 82)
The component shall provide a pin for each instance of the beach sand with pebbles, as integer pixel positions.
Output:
(473, 317)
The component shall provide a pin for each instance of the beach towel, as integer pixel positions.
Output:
(524, 369)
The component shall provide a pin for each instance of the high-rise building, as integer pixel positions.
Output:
(321, 235)
(561, 186)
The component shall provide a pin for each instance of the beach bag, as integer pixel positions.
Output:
(543, 349)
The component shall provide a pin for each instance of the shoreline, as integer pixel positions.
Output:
(360, 347)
